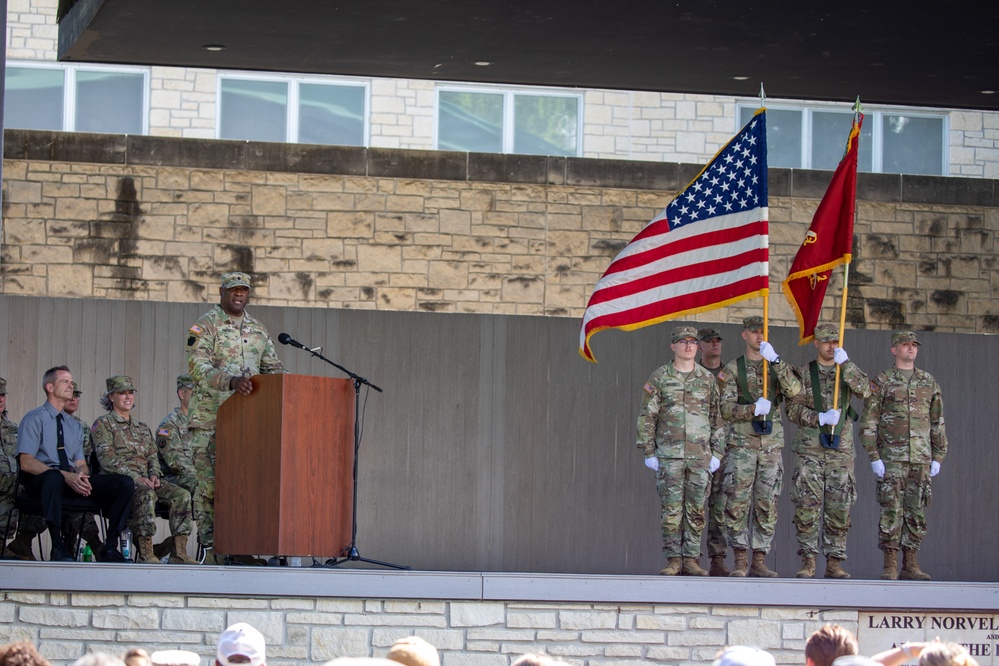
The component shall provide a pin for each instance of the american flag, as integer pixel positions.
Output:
(707, 249)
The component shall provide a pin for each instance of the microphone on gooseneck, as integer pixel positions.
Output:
(286, 339)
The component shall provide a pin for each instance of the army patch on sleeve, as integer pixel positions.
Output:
(648, 388)
(163, 432)
(722, 375)
(195, 335)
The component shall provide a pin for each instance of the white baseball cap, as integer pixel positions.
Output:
(241, 639)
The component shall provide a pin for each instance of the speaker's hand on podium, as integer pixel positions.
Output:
(241, 385)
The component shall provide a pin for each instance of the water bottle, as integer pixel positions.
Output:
(126, 544)
(88, 553)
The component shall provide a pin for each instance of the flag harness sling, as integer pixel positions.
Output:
(763, 426)
(829, 438)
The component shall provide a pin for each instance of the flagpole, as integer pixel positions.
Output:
(766, 292)
(842, 330)
(766, 336)
(857, 110)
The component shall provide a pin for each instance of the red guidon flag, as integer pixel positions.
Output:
(708, 248)
(828, 241)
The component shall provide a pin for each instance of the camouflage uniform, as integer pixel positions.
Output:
(903, 426)
(754, 470)
(823, 485)
(716, 497)
(173, 440)
(217, 351)
(31, 525)
(677, 424)
(125, 446)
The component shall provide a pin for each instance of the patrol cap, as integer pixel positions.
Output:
(235, 279)
(76, 390)
(684, 332)
(706, 334)
(898, 337)
(3, 386)
(826, 332)
(185, 381)
(754, 323)
(120, 383)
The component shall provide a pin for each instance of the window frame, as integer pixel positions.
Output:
(509, 94)
(872, 114)
(292, 107)
(69, 83)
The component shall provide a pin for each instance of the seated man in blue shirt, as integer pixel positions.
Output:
(50, 452)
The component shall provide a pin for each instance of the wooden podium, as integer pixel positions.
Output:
(284, 468)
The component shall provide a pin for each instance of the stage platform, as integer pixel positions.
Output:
(355, 583)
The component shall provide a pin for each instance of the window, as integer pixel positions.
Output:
(292, 110)
(77, 98)
(890, 141)
(508, 121)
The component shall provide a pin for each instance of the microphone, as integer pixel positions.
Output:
(286, 339)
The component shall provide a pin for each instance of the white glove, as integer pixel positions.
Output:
(934, 468)
(830, 417)
(714, 465)
(839, 355)
(762, 407)
(652, 463)
(878, 467)
(768, 352)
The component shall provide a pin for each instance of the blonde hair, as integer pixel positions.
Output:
(945, 654)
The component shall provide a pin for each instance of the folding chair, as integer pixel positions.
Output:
(71, 504)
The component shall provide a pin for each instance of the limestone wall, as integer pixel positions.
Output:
(158, 219)
(302, 630)
(616, 124)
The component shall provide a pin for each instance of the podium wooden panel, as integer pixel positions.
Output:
(284, 467)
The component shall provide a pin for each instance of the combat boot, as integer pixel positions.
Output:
(211, 557)
(741, 563)
(164, 547)
(718, 567)
(759, 568)
(179, 554)
(807, 569)
(20, 547)
(691, 567)
(833, 569)
(146, 554)
(910, 567)
(890, 570)
(672, 567)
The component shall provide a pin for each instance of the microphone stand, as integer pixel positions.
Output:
(349, 554)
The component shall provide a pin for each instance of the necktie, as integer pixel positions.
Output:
(61, 447)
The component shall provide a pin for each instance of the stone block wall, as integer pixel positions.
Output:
(159, 219)
(634, 125)
(301, 630)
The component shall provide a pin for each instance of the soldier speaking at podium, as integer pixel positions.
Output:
(225, 347)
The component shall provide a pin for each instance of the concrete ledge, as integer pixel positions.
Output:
(464, 167)
(479, 586)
